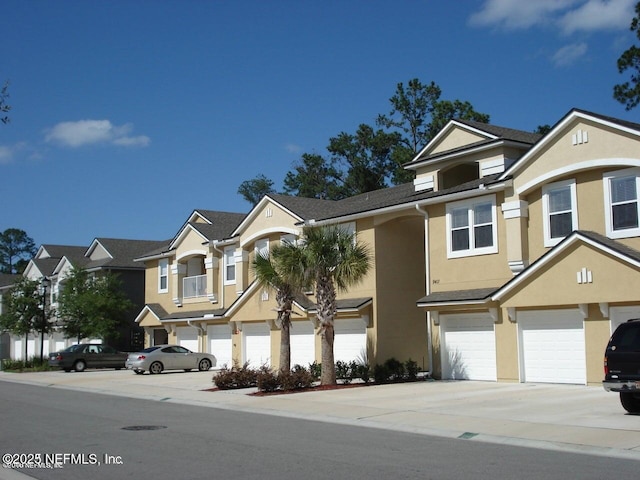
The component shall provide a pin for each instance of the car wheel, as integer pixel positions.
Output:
(155, 367)
(204, 365)
(80, 366)
(630, 402)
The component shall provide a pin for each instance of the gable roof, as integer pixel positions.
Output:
(59, 251)
(455, 297)
(121, 252)
(596, 240)
(8, 279)
(217, 225)
(573, 114)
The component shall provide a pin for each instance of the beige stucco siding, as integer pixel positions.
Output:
(400, 328)
(455, 138)
(266, 220)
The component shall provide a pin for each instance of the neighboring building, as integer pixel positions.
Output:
(6, 282)
(522, 252)
(103, 255)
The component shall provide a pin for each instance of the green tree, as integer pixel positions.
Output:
(4, 106)
(92, 306)
(365, 157)
(314, 177)
(418, 114)
(542, 129)
(628, 93)
(330, 259)
(16, 248)
(23, 310)
(267, 269)
(253, 190)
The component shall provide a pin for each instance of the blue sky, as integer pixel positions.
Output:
(128, 115)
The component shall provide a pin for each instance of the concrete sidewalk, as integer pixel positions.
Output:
(560, 417)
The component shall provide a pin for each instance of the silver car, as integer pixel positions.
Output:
(168, 357)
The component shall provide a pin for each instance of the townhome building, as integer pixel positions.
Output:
(511, 257)
(54, 262)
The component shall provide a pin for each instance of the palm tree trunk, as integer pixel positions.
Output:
(285, 343)
(326, 304)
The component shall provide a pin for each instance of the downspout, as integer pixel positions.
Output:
(221, 280)
(427, 269)
(200, 333)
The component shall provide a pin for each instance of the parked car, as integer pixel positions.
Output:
(87, 355)
(169, 357)
(622, 365)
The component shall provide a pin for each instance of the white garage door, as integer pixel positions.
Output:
(220, 344)
(187, 338)
(552, 348)
(620, 315)
(256, 345)
(350, 341)
(468, 346)
(303, 347)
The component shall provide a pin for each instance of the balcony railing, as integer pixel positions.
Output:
(193, 287)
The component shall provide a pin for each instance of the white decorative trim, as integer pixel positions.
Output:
(584, 309)
(492, 167)
(435, 316)
(494, 314)
(213, 297)
(604, 309)
(517, 266)
(515, 209)
(511, 312)
(424, 183)
(576, 167)
(178, 269)
(211, 263)
(241, 256)
(267, 233)
(177, 301)
(580, 137)
(192, 253)
(584, 275)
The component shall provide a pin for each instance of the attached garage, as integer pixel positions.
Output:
(620, 315)
(303, 346)
(350, 341)
(552, 346)
(220, 344)
(256, 344)
(468, 347)
(188, 338)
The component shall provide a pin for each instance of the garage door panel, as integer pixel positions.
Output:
(220, 344)
(303, 344)
(468, 348)
(187, 337)
(552, 347)
(350, 341)
(257, 344)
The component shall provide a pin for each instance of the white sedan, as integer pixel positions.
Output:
(169, 357)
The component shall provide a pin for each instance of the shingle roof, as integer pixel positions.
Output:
(341, 304)
(222, 223)
(305, 207)
(123, 252)
(8, 279)
(621, 248)
(456, 296)
(59, 251)
(162, 314)
(504, 133)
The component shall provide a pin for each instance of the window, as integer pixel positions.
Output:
(471, 227)
(229, 266)
(621, 203)
(560, 213)
(262, 247)
(163, 275)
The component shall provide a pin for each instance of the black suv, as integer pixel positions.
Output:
(622, 365)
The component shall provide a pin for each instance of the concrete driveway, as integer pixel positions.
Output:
(561, 417)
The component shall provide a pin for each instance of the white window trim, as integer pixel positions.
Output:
(472, 252)
(546, 225)
(262, 244)
(608, 217)
(229, 253)
(161, 262)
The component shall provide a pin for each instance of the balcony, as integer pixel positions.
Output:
(194, 287)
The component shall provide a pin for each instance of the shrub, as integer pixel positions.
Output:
(315, 369)
(363, 372)
(33, 364)
(381, 373)
(395, 368)
(296, 379)
(412, 369)
(343, 371)
(236, 377)
(267, 380)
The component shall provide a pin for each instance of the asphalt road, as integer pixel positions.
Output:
(207, 443)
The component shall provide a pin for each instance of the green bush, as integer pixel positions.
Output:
(363, 372)
(297, 379)
(395, 368)
(236, 377)
(343, 371)
(315, 369)
(412, 370)
(267, 380)
(33, 364)
(381, 373)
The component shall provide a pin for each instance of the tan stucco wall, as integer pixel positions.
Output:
(400, 327)
(455, 138)
(261, 221)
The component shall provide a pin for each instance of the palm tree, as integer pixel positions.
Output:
(331, 259)
(266, 271)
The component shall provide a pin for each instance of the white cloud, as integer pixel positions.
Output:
(570, 15)
(6, 155)
(293, 148)
(599, 15)
(518, 14)
(88, 132)
(569, 54)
